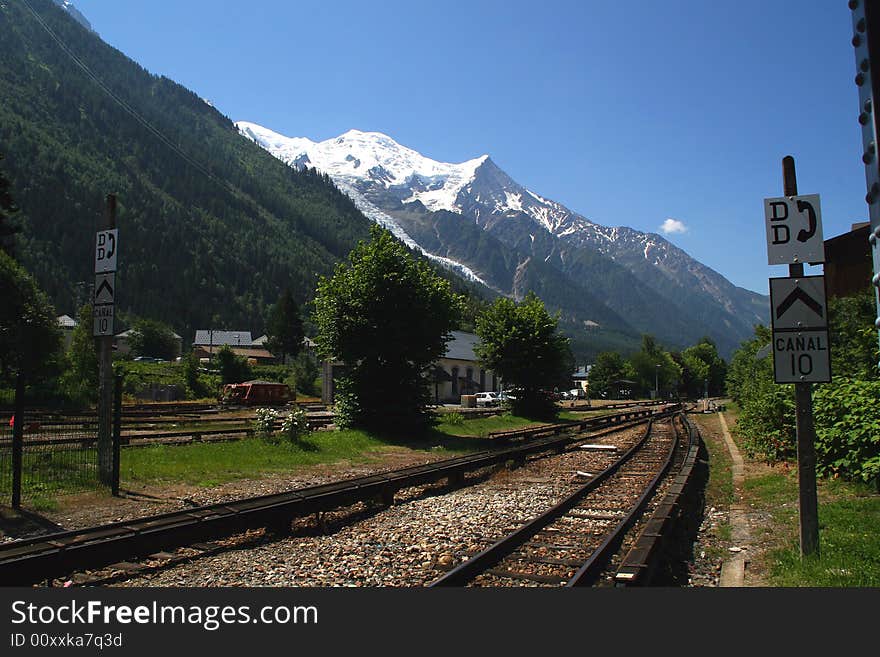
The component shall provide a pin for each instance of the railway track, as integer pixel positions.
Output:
(572, 542)
(142, 433)
(55, 555)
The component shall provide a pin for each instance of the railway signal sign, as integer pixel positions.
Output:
(798, 303)
(105, 250)
(799, 314)
(801, 357)
(103, 316)
(105, 289)
(794, 230)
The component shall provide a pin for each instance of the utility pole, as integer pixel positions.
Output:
(806, 431)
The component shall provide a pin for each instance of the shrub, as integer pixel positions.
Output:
(265, 420)
(294, 425)
(848, 429)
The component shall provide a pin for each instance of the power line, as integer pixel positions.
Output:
(124, 105)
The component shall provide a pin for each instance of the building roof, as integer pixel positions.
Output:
(127, 334)
(461, 347)
(247, 352)
(219, 338)
(66, 321)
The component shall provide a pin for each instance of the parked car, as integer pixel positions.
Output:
(488, 399)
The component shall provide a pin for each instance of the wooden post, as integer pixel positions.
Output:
(808, 504)
(105, 376)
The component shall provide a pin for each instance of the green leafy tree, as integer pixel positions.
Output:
(152, 338)
(521, 342)
(609, 368)
(285, 327)
(30, 338)
(233, 369)
(388, 317)
(80, 378)
(190, 369)
(653, 365)
(701, 366)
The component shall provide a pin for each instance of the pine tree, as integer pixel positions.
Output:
(285, 327)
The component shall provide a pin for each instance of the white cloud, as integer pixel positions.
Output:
(673, 226)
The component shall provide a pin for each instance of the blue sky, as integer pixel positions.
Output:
(630, 113)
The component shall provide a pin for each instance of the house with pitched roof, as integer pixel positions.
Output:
(208, 342)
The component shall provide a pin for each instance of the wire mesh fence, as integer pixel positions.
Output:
(59, 455)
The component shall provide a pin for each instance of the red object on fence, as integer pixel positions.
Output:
(12, 421)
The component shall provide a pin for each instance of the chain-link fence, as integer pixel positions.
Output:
(59, 455)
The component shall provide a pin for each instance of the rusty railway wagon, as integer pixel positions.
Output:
(251, 393)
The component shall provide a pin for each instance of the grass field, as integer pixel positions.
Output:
(211, 464)
(849, 518)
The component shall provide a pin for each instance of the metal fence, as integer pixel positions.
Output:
(59, 455)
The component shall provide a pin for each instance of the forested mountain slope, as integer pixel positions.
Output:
(211, 227)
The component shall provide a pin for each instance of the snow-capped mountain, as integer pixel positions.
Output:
(74, 13)
(474, 218)
(356, 160)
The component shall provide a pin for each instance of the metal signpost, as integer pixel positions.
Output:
(866, 41)
(799, 314)
(106, 250)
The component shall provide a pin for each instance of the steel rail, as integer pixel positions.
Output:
(639, 564)
(587, 574)
(491, 556)
(53, 555)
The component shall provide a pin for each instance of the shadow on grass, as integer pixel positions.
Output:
(435, 437)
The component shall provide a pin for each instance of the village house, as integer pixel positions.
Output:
(208, 342)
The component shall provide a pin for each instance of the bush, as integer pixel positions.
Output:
(264, 423)
(294, 425)
(845, 411)
(848, 429)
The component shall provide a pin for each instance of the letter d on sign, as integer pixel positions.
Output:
(780, 230)
(774, 206)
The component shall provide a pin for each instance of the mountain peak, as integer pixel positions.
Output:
(355, 155)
